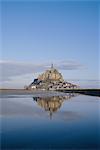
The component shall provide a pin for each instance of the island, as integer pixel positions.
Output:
(51, 79)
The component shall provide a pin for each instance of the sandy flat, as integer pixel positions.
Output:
(35, 93)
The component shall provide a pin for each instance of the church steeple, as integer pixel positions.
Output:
(51, 66)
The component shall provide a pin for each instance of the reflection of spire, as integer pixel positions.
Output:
(50, 113)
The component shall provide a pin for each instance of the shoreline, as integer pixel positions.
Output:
(91, 92)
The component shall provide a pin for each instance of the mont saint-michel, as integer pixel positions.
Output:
(51, 79)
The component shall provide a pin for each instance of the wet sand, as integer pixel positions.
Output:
(36, 93)
(15, 91)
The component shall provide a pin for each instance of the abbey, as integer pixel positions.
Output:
(51, 74)
(51, 79)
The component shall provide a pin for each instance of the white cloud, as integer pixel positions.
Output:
(11, 69)
(13, 73)
(69, 65)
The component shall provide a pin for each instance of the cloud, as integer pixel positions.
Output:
(69, 65)
(86, 83)
(10, 69)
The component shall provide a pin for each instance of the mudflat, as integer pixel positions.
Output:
(15, 91)
(92, 92)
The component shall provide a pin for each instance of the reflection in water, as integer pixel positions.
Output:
(52, 104)
(75, 126)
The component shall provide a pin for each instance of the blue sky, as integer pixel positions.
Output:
(65, 33)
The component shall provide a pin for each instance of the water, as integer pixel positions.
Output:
(58, 122)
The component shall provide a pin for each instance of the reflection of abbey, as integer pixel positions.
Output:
(54, 103)
(51, 80)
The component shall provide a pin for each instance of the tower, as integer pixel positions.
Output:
(51, 66)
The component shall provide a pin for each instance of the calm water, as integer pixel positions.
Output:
(60, 122)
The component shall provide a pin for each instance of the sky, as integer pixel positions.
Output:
(35, 34)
